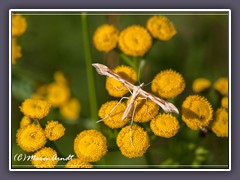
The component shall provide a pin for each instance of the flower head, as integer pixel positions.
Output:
(35, 108)
(165, 125)
(78, 163)
(71, 109)
(224, 102)
(168, 84)
(113, 119)
(90, 145)
(160, 27)
(60, 78)
(31, 138)
(135, 41)
(25, 121)
(116, 88)
(54, 130)
(196, 112)
(145, 109)
(45, 158)
(200, 84)
(16, 51)
(105, 38)
(19, 25)
(133, 141)
(220, 123)
(221, 85)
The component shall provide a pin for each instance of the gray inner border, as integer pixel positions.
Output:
(5, 5)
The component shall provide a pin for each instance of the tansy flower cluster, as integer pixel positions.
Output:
(19, 26)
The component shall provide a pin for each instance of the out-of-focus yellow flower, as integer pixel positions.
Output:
(224, 102)
(165, 125)
(58, 94)
(71, 109)
(16, 51)
(90, 145)
(113, 119)
(220, 123)
(160, 27)
(105, 37)
(31, 138)
(221, 85)
(200, 84)
(145, 109)
(135, 41)
(54, 130)
(19, 25)
(196, 112)
(133, 141)
(25, 121)
(35, 108)
(168, 84)
(45, 158)
(60, 78)
(116, 88)
(78, 163)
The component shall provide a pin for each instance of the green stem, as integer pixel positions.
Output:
(91, 84)
(128, 60)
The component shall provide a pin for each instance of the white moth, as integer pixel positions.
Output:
(135, 91)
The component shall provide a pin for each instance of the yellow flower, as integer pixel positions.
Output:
(16, 51)
(71, 109)
(31, 138)
(60, 78)
(90, 145)
(220, 123)
(221, 85)
(54, 130)
(41, 93)
(116, 88)
(105, 38)
(35, 108)
(168, 84)
(200, 84)
(58, 94)
(224, 102)
(19, 25)
(145, 109)
(135, 41)
(160, 27)
(165, 125)
(45, 158)
(133, 142)
(78, 163)
(196, 112)
(113, 119)
(25, 121)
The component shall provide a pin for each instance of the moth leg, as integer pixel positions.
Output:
(146, 99)
(112, 109)
(119, 89)
(131, 137)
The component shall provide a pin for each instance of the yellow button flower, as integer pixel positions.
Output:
(221, 85)
(16, 51)
(145, 109)
(165, 125)
(135, 41)
(71, 109)
(54, 130)
(196, 112)
(224, 102)
(200, 84)
(19, 25)
(31, 138)
(45, 158)
(116, 88)
(133, 142)
(60, 78)
(78, 163)
(160, 27)
(35, 108)
(220, 123)
(168, 84)
(105, 38)
(90, 145)
(113, 119)
(25, 121)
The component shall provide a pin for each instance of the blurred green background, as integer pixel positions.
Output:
(55, 42)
